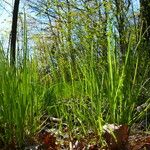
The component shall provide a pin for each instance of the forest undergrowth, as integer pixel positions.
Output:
(86, 88)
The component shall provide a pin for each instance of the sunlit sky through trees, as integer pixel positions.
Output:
(6, 7)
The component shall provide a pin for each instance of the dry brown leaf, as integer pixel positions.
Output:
(138, 142)
(116, 136)
(49, 141)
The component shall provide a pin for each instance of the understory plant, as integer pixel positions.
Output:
(80, 76)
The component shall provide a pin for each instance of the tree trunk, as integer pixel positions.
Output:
(145, 17)
(121, 8)
(14, 33)
(120, 19)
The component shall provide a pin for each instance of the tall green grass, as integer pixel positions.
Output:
(97, 90)
(86, 94)
(20, 104)
(21, 95)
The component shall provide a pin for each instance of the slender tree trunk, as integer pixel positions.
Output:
(121, 22)
(145, 17)
(69, 36)
(14, 33)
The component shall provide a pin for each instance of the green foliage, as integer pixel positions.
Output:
(90, 80)
(20, 105)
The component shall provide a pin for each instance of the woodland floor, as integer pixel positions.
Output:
(51, 138)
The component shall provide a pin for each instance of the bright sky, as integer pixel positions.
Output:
(5, 17)
(6, 8)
